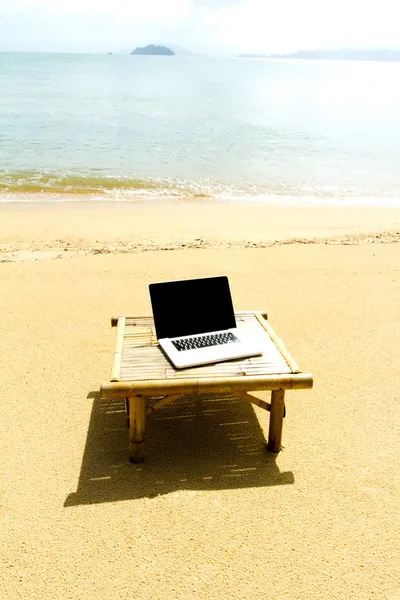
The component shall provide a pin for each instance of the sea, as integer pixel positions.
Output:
(113, 127)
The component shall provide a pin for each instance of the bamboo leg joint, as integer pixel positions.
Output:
(136, 428)
(276, 420)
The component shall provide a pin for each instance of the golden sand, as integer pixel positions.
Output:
(319, 520)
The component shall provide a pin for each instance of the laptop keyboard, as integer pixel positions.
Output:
(204, 341)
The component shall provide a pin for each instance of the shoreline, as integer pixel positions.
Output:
(55, 231)
(35, 200)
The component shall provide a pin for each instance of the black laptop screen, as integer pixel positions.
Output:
(191, 306)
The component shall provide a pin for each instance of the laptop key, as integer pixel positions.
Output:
(204, 341)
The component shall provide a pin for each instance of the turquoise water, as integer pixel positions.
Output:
(122, 127)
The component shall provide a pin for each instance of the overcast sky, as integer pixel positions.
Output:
(225, 27)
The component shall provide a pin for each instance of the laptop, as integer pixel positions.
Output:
(195, 322)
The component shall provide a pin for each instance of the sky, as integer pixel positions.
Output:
(212, 27)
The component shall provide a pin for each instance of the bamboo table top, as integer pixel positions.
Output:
(140, 367)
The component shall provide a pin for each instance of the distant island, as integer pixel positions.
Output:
(151, 49)
(367, 55)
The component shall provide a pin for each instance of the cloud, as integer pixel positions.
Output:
(205, 26)
(75, 25)
(135, 10)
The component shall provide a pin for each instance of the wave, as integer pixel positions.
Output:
(70, 183)
(36, 185)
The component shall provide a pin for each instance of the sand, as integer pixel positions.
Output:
(318, 520)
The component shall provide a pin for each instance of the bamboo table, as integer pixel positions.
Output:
(145, 378)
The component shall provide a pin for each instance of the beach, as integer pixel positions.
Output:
(318, 520)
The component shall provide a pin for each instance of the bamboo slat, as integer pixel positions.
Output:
(142, 359)
(278, 343)
(119, 342)
(121, 389)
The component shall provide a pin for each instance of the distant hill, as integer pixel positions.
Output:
(178, 50)
(151, 49)
(368, 55)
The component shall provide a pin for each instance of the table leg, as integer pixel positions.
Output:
(276, 420)
(136, 428)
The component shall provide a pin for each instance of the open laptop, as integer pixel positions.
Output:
(195, 322)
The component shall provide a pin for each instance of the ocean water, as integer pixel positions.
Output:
(117, 127)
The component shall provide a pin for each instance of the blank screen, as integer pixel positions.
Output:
(191, 306)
